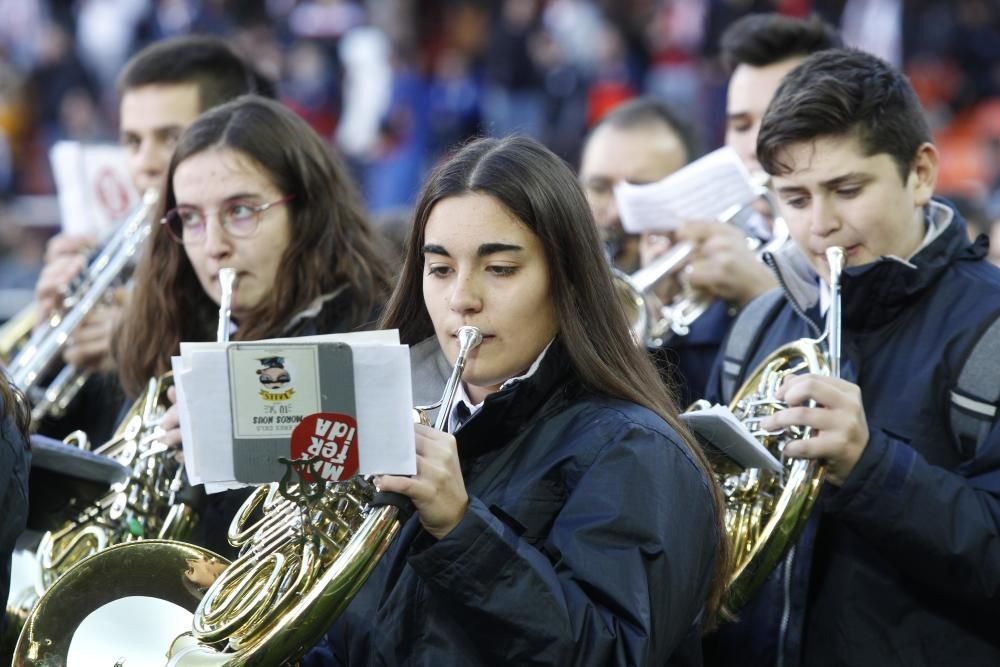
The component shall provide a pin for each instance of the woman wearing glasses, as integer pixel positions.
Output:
(252, 187)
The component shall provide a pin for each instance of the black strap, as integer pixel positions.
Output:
(976, 395)
(398, 500)
(743, 337)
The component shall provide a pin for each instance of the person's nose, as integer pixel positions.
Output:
(466, 294)
(218, 243)
(823, 219)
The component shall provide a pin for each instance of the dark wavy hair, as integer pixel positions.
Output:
(840, 93)
(13, 405)
(332, 244)
(542, 192)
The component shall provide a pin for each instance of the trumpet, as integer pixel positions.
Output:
(14, 333)
(39, 353)
(652, 321)
(301, 563)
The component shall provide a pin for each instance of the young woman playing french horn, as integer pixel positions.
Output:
(569, 520)
(251, 187)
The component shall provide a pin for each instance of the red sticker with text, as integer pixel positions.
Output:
(331, 437)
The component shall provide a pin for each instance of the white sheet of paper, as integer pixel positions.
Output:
(181, 376)
(94, 189)
(713, 187)
(720, 427)
(383, 396)
(389, 445)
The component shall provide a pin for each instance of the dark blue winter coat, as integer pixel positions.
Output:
(589, 539)
(901, 565)
(15, 460)
(690, 358)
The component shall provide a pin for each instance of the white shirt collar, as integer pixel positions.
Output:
(462, 396)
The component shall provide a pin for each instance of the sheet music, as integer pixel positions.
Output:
(384, 406)
(94, 188)
(720, 427)
(714, 186)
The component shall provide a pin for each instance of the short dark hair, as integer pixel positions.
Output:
(645, 111)
(760, 40)
(839, 93)
(208, 62)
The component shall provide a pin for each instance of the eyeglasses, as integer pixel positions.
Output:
(240, 219)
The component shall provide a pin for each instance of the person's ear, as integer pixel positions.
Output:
(923, 173)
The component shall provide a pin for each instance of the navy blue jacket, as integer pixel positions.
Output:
(589, 540)
(901, 565)
(15, 459)
(690, 358)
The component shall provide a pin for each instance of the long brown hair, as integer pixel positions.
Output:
(12, 404)
(542, 192)
(332, 244)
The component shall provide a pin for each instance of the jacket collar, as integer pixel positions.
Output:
(508, 412)
(875, 293)
(313, 310)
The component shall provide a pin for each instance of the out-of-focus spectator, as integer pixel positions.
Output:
(513, 99)
(310, 85)
(105, 32)
(325, 18)
(367, 88)
(22, 31)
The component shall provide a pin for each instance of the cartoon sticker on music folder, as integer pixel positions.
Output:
(273, 389)
(275, 380)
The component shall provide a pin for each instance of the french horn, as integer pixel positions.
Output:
(301, 562)
(765, 510)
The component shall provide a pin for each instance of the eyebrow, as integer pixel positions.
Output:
(483, 251)
(158, 131)
(833, 183)
(231, 199)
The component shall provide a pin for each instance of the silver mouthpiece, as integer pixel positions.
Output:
(835, 259)
(227, 281)
(468, 338)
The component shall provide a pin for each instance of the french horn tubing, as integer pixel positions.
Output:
(306, 548)
(766, 511)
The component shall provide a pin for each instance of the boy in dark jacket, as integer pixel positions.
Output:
(900, 561)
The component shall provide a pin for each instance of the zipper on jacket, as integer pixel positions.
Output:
(786, 610)
(773, 265)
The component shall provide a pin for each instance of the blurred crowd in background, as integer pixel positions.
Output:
(393, 84)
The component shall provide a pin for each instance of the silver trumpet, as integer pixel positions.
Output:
(652, 321)
(27, 368)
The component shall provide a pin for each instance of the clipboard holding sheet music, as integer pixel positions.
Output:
(240, 403)
(720, 428)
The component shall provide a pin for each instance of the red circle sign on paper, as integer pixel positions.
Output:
(112, 195)
(331, 437)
